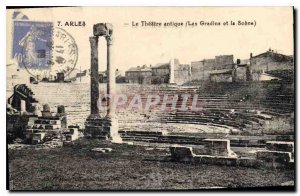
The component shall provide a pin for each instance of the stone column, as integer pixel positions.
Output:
(171, 71)
(111, 82)
(249, 76)
(94, 76)
(112, 125)
(105, 128)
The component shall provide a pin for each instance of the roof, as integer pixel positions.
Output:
(182, 67)
(196, 61)
(139, 69)
(274, 54)
(209, 60)
(224, 55)
(161, 66)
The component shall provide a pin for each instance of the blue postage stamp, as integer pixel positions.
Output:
(32, 44)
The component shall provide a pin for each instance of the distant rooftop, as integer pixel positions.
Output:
(275, 54)
(161, 65)
(139, 68)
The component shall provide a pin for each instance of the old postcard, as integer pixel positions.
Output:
(150, 98)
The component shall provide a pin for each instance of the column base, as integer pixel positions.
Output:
(103, 128)
(111, 127)
(93, 126)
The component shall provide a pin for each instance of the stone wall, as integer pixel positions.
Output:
(221, 77)
(269, 63)
(241, 73)
(223, 61)
(201, 70)
(182, 73)
(197, 69)
(282, 146)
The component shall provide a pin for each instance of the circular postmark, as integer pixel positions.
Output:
(47, 56)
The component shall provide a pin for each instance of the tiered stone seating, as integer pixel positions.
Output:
(224, 105)
(239, 105)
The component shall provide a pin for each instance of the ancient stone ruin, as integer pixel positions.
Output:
(107, 127)
(26, 122)
(218, 152)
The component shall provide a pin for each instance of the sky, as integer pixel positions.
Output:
(135, 46)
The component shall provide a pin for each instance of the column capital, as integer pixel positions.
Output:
(109, 40)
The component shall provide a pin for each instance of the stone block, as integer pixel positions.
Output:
(71, 137)
(181, 153)
(46, 108)
(285, 138)
(102, 29)
(280, 146)
(34, 142)
(206, 160)
(31, 120)
(219, 160)
(46, 114)
(231, 161)
(274, 156)
(247, 162)
(38, 136)
(217, 147)
(216, 160)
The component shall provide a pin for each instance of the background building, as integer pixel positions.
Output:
(139, 75)
(161, 73)
(266, 66)
(271, 60)
(271, 63)
(201, 70)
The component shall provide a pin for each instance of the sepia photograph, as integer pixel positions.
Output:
(150, 98)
